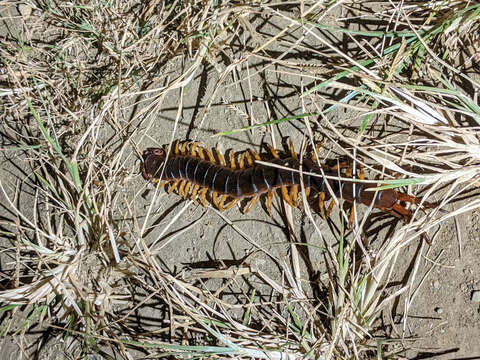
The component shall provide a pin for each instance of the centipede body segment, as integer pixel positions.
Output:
(194, 172)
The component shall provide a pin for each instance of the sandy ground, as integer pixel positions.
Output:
(443, 321)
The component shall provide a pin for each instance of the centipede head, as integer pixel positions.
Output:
(153, 160)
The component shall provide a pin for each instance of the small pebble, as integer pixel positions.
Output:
(436, 284)
(476, 296)
(438, 310)
(25, 10)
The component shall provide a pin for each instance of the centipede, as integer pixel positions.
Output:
(193, 171)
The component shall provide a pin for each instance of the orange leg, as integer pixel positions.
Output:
(269, 203)
(241, 163)
(186, 192)
(203, 196)
(231, 204)
(294, 195)
(249, 158)
(193, 148)
(330, 207)
(321, 204)
(215, 200)
(210, 156)
(274, 152)
(184, 148)
(255, 155)
(219, 157)
(223, 198)
(250, 204)
(194, 193)
(233, 164)
(173, 187)
(177, 147)
(399, 211)
(285, 195)
(292, 149)
(182, 186)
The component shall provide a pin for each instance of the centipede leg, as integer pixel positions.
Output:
(182, 186)
(269, 203)
(219, 157)
(321, 204)
(233, 164)
(330, 207)
(294, 195)
(215, 200)
(186, 192)
(177, 147)
(241, 162)
(184, 149)
(249, 159)
(194, 193)
(399, 211)
(203, 196)
(223, 198)
(285, 196)
(250, 204)
(274, 152)
(193, 148)
(255, 155)
(173, 187)
(231, 204)
(292, 149)
(211, 158)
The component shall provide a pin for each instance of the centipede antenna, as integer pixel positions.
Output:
(184, 148)
(219, 157)
(187, 190)
(250, 204)
(269, 202)
(274, 152)
(294, 195)
(292, 149)
(233, 164)
(203, 196)
(194, 193)
(182, 186)
(241, 163)
(231, 204)
(249, 158)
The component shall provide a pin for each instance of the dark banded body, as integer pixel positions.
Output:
(257, 179)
